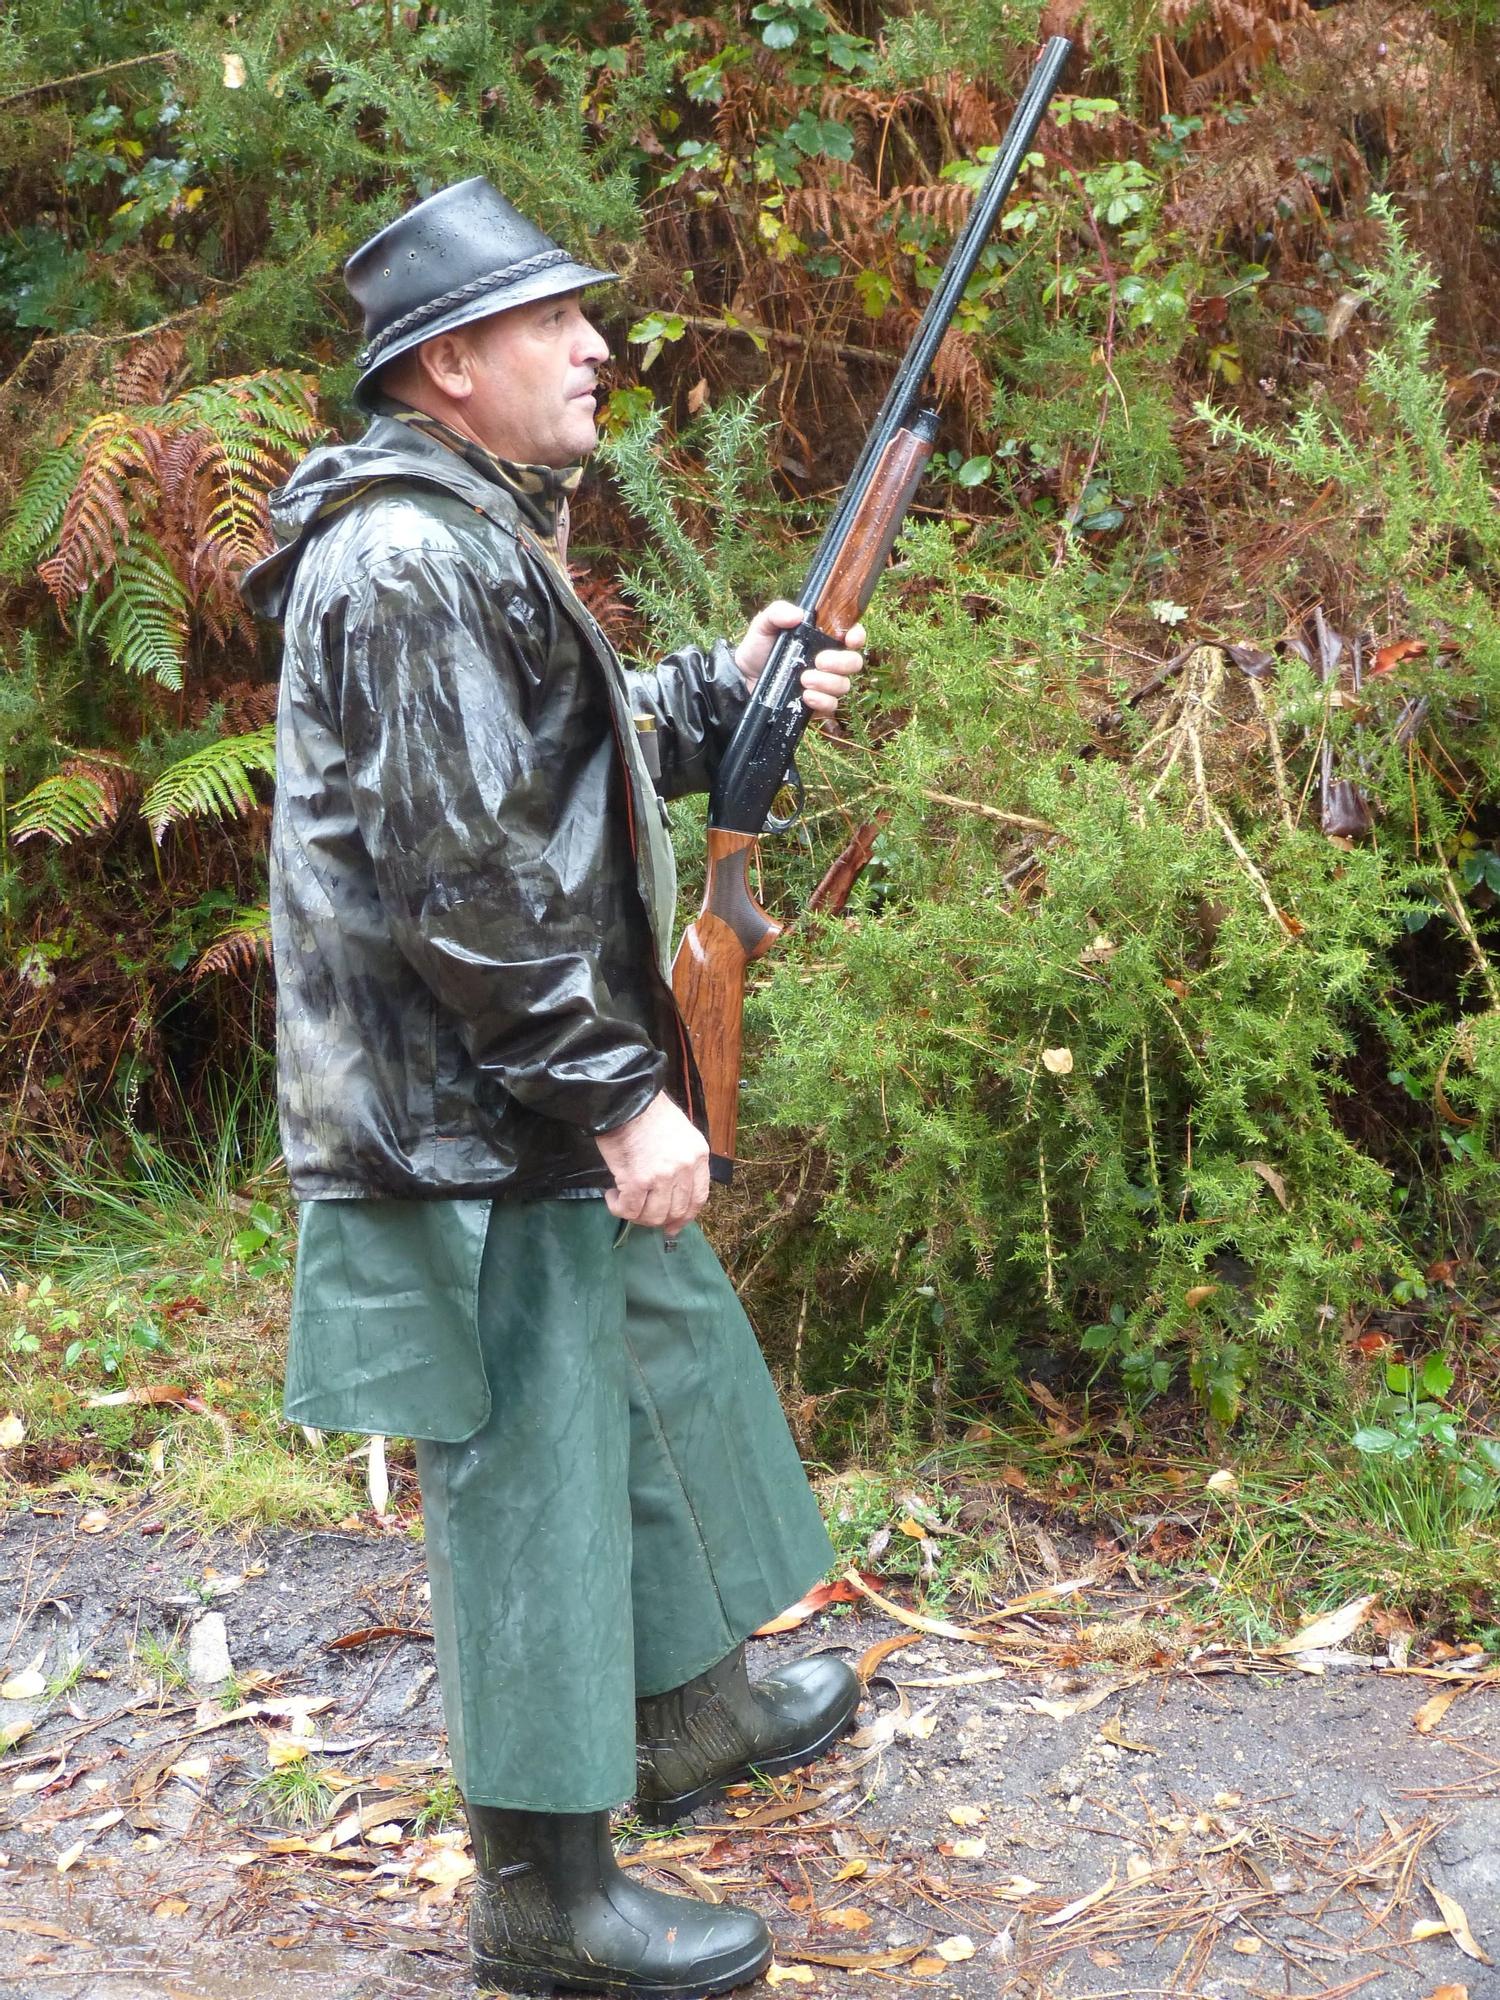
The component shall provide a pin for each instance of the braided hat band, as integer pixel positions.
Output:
(504, 278)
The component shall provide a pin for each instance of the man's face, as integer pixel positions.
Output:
(530, 377)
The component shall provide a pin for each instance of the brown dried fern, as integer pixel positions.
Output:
(146, 368)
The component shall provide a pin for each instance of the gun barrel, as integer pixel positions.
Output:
(917, 362)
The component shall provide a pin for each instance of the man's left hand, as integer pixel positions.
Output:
(826, 682)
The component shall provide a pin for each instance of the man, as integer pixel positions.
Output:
(490, 1112)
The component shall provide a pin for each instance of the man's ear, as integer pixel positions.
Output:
(445, 361)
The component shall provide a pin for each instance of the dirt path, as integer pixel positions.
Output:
(1015, 1818)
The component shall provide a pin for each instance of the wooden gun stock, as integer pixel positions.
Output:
(708, 979)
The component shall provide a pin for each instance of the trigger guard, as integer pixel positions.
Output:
(775, 823)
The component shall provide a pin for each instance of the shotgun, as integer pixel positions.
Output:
(731, 929)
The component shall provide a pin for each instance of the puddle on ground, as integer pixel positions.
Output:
(112, 1952)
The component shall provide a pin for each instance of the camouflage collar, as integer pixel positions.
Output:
(541, 492)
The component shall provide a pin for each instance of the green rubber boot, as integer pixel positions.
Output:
(721, 1727)
(551, 1908)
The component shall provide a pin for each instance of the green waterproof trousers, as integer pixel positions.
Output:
(631, 1509)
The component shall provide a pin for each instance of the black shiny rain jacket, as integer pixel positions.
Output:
(471, 882)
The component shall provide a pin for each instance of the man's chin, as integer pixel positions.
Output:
(582, 440)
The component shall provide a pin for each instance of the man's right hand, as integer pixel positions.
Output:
(660, 1164)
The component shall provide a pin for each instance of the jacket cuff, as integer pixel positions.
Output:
(629, 1104)
(697, 698)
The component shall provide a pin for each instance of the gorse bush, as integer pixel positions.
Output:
(1116, 1045)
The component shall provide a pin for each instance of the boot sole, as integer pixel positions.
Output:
(667, 1812)
(498, 1975)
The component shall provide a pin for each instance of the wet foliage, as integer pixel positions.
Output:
(1158, 1037)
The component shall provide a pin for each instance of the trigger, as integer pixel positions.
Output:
(786, 807)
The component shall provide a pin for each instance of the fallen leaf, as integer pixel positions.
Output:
(822, 1594)
(882, 1650)
(12, 1431)
(1331, 1629)
(913, 1529)
(1112, 1733)
(368, 1634)
(1098, 1956)
(1222, 1481)
(283, 1750)
(1247, 1947)
(966, 1815)
(25, 1686)
(927, 1967)
(70, 1855)
(94, 1522)
(1272, 1180)
(1432, 1711)
(1099, 952)
(1081, 1903)
(1195, 1295)
(954, 1950)
(972, 1849)
(170, 1906)
(1457, 1925)
(35, 1927)
(852, 1870)
(847, 1919)
(857, 1961)
(1062, 1711)
(446, 1867)
(697, 396)
(157, 1393)
(1045, 1397)
(191, 1768)
(1018, 1888)
(377, 1476)
(937, 1628)
(390, 1835)
(38, 1781)
(1013, 1477)
(777, 1975)
(1449, 1993)
(233, 71)
(1059, 1062)
(1388, 657)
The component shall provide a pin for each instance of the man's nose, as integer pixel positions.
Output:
(592, 347)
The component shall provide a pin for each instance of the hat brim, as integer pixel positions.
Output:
(569, 277)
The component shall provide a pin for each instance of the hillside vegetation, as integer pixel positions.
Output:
(1159, 1043)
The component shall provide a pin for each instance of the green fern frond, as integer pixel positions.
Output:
(144, 620)
(63, 808)
(33, 526)
(211, 783)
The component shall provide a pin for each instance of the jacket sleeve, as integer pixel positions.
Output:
(695, 699)
(460, 809)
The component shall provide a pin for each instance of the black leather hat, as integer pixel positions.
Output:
(458, 256)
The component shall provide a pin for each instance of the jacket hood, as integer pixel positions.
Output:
(335, 474)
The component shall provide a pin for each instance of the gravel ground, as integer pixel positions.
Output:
(1058, 1814)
